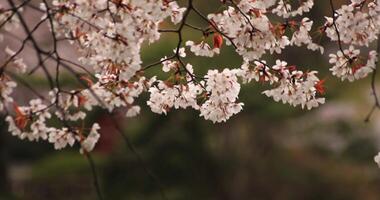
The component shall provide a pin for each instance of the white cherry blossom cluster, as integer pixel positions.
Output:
(302, 37)
(293, 87)
(6, 88)
(284, 9)
(356, 25)
(260, 72)
(165, 96)
(223, 90)
(8, 20)
(110, 42)
(202, 49)
(296, 88)
(251, 31)
(349, 65)
(18, 62)
(109, 34)
(110, 93)
(377, 159)
(251, 41)
(215, 96)
(31, 123)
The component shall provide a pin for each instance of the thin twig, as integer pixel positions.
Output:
(376, 104)
(94, 175)
(132, 148)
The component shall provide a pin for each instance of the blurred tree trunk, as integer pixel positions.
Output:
(4, 182)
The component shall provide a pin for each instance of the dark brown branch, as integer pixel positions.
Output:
(140, 159)
(38, 50)
(95, 176)
(334, 13)
(214, 26)
(376, 104)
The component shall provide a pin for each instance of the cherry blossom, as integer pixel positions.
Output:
(109, 36)
(377, 159)
(88, 144)
(223, 90)
(348, 65)
(6, 88)
(355, 25)
(285, 10)
(202, 49)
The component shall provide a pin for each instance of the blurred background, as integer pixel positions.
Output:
(268, 151)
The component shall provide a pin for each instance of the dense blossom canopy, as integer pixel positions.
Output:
(109, 34)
